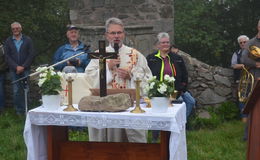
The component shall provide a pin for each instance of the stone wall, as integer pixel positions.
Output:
(210, 85)
(143, 20)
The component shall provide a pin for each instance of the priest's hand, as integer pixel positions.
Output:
(123, 73)
(112, 63)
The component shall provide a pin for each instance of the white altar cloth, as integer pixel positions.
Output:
(35, 130)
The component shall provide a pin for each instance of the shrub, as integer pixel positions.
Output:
(228, 111)
(197, 122)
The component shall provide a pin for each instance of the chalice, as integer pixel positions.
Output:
(70, 75)
(173, 97)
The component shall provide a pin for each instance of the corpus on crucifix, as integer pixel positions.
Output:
(102, 55)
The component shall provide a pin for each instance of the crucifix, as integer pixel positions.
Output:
(102, 55)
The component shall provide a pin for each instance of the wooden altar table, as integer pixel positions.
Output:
(46, 135)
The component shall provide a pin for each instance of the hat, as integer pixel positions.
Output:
(70, 27)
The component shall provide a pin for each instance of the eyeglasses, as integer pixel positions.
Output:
(165, 42)
(115, 33)
(242, 42)
(15, 28)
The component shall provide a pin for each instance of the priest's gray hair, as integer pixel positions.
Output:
(242, 37)
(19, 24)
(113, 20)
(162, 35)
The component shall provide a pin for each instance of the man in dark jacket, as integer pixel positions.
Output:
(19, 54)
(2, 78)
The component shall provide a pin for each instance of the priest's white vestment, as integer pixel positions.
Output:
(129, 59)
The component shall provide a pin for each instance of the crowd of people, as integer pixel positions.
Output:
(17, 54)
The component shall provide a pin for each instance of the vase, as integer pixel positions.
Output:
(159, 104)
(51, 102)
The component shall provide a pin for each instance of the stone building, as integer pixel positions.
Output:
(143, 20)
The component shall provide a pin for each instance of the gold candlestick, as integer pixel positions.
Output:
(173, 97)
(148, 102)
(137, 109)
(70, 106)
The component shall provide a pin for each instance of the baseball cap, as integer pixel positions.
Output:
(71, 27)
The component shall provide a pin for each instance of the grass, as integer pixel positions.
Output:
(12, 146)
(222, 143)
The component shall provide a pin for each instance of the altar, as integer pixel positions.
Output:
(40, 121)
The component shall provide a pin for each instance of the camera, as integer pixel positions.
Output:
(74, 62)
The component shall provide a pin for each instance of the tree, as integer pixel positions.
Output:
(208, 29)
(44, 21)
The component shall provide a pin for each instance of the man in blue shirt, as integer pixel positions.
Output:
(73, 47)
(19, 54)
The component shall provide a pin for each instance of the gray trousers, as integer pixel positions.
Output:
(117, 135)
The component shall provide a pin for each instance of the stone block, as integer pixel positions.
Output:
(222, 80)
(110, 103)
(166, 12)
(98, 3)
(210, 97)
(138, 2)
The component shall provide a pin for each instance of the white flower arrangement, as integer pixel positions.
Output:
(157, 88)
(49, 81)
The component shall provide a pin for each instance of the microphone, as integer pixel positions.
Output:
(116, 48)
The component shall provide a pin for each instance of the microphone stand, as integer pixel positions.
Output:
(26, 79)
(25, 86)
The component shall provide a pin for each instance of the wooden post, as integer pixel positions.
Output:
(102, 55)
(253, 109)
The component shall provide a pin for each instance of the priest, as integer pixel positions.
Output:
(119, 76)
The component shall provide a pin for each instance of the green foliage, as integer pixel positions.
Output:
(50, 81)
(44, 21)
(227, 111)
(208, 30)
(196, 122)
(78, 134)
(157, 88)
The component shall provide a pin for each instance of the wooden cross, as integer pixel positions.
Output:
(102, 55)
